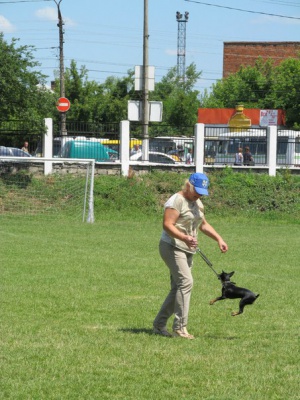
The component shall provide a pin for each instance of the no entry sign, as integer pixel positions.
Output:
(63, 104)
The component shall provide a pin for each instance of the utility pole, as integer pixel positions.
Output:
(145, 99)
(181, 43)
(61, 66)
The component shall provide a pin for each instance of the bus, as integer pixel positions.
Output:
(221, 149)
(221, 144)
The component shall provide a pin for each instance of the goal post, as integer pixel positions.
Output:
(66, 191)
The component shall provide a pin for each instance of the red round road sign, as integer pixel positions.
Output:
(63, 104)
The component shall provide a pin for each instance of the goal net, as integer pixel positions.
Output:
(65, 191)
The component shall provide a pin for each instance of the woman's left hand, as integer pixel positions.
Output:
(223, 246)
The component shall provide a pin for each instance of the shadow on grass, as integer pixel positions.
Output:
(137, 331)
(220, 337)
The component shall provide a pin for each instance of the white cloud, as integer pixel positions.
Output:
(171, 52)
(47, 14)
(6, 26)
(51, 14)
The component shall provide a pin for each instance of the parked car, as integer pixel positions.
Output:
(154, 157)
(87, 149)
(12, 152)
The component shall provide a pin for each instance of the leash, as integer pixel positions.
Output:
(207, 261)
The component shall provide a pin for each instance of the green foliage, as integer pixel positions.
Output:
(249, 86)
(254, 194)
(23, 95)
(93, 102)
(108, 102)
(231, 193)
(286, 90)
(119, 194)
(180, 101)
(263, 86)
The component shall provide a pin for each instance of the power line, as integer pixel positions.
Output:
(239, 9)
(22, 1)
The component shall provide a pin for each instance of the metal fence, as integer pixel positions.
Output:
(288, 147)
(167, 144)
(222, 144)
(88, 129)
(14, 133)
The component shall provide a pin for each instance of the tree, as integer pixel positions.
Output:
(108, 102)
(180, 101)
(116, 93)
(84, 95)
(286, 90)
(23, 93)
(263, 86)
(93, 102)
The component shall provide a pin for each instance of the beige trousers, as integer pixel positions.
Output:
(177, 301)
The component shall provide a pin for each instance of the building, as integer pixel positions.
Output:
(237, 54)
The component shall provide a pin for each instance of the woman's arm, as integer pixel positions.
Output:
(209, 231)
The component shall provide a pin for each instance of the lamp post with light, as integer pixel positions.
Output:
(181, 43)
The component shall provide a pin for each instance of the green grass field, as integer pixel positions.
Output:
(78, 301)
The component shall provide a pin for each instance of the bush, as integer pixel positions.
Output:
(230, 193)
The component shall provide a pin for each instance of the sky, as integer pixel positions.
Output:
(106, 36)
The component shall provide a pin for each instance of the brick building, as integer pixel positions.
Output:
(236, 54)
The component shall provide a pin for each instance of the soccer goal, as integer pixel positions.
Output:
(51, 187)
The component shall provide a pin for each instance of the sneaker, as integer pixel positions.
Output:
(161, 331)
(183, 333)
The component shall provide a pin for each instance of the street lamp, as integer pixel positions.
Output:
(179, 16)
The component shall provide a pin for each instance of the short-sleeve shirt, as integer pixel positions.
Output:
(191, 214)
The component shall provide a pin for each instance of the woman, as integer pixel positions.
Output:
(239, 158)
(183, 217)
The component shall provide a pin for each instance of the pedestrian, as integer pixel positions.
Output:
(25, 147)
(136, 149)
(183, 217)
(239, 158)
(189, 156)
(248, 158)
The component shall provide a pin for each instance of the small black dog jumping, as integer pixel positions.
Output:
(230, 291)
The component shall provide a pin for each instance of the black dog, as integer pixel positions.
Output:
(230, 291)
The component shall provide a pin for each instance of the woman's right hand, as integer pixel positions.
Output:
(190, 241)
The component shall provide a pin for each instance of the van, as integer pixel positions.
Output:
(87, 149)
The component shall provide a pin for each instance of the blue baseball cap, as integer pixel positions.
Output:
(200, 183)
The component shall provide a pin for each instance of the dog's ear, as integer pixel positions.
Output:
(231, 273)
